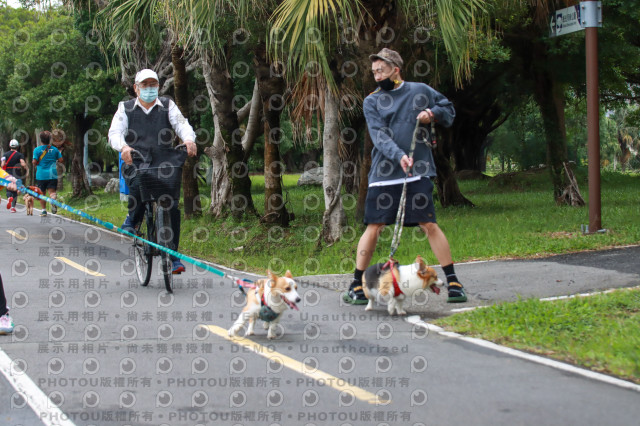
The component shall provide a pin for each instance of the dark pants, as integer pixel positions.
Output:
(13, 194)
(136, 210)
(3, 300)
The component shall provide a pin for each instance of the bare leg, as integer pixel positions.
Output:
(438, 242)
(367, 245)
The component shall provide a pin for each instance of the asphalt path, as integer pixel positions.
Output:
(92, 347)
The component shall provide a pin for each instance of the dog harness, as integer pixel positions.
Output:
(396, 288)
(266, 314)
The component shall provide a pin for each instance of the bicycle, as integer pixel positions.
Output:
(159, 189)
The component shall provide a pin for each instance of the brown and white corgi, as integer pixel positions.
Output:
(378, 282)
(268, 298)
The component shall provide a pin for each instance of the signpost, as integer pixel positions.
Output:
(587, 16)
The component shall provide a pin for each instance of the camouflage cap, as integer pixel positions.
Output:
(390, 56)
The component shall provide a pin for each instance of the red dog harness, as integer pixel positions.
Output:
(396, 288)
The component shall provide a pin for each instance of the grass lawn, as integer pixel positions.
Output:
(600, 332)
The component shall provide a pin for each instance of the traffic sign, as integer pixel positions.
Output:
(565, 21)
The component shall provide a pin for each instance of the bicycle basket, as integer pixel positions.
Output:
(158, 183)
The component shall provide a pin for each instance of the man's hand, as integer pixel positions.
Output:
(426, 117)
(192, 149)
(406, 163)
(126, 154)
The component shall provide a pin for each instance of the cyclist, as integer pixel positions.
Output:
(145, 124)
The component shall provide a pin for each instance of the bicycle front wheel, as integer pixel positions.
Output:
(142, 254)
(164, 233)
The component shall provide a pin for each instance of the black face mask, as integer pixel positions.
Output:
(386, 84)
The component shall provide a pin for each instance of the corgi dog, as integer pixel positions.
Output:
(397, 282)
(28, 202)
(267, 299)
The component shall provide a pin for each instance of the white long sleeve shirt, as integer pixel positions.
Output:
(120, 123)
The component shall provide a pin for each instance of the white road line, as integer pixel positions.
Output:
(46, 410)
(415, 319)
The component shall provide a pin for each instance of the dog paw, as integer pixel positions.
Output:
(265, 325)
(402, 312)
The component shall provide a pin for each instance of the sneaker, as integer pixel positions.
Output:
(178, 267)
(54, 209)
(9, 202)
(43, 213)
(6, 324)
(355, 295)
(13, 210)
(456, 293)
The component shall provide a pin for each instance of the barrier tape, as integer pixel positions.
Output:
(110, 226)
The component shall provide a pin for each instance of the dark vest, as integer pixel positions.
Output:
(150, 134)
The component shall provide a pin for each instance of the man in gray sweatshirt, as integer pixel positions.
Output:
(391, 113)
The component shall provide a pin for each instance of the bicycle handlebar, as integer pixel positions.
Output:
(139, 154)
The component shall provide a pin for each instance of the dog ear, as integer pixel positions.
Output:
(272, 278)
(421, 265)
(288, 274)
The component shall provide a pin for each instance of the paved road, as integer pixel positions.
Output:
(108, 352)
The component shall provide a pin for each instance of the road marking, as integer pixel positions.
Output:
(415, 320)
(320, 376)
(16, 235)
(46, 410)
(80, 267)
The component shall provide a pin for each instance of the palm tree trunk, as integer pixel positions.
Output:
(79, 182)
(227, 191)
(333, 219)
(271, 87)
(191, 200)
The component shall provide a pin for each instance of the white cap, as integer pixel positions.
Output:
(145, 74)
(14, 143)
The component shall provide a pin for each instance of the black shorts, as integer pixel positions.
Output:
(47, 184)
(381, 205)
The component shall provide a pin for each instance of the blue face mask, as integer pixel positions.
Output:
(149, 94)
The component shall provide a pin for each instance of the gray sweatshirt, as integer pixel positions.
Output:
(391, 119)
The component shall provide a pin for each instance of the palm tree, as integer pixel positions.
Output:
(310, 32)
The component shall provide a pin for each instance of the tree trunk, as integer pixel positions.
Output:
(349, 155)
(190, 194)
(365, 167)
(227, 191)
(333, 219)
(549, 96)
(448, 190)
(79, 182)
(271, 86)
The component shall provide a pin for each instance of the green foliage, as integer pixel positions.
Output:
(53, 74)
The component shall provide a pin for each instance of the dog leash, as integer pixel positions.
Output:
(397, 230)
(112, 227)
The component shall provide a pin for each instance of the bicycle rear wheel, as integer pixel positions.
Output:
(164, 233)
(142, 254)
